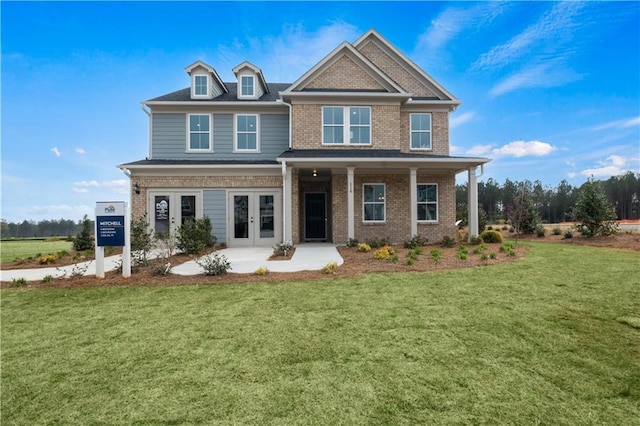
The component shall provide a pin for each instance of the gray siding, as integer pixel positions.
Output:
(214, 204)
(169, 138)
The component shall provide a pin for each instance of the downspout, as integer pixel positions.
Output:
(148, 112)
(290, 119)
(284, 202)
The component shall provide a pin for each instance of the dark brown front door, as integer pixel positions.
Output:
(315, 216)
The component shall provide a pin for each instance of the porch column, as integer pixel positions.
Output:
(287, 231)
(413, 200)
(472, 202)
(350, 204)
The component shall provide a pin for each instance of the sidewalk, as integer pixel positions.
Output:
(307, 257)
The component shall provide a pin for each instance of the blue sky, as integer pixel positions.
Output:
(549, 90)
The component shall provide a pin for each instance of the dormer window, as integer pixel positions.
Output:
(246, 86)
(201, 85)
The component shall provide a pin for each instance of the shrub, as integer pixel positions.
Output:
(491, 236)
(330, 268)
(505, 228)
(447, 241)
(462, 252)
(352, 242)
(62, 253)
(282, 249)
(195, 235)
(377, 242)
(557, 231)
(489, 228)
(416, 241)
(540, 231)
(484, 256)
(84, 238)
(493, 255)
(364, 248)
(141, 241)
(384, 252)
(475, 240)
(47, 279)
(214, 263)
(18, 282)
(567, 234)
(435, 256)
(47, 259)
(261, 271)
(410, 261)
(595, 214)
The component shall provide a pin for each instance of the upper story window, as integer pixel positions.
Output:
(247, 89)
(427, 202)
(373, 202)
(421, 131)
(201, 85)
(346, 125)
(199, 132)
(246, 132)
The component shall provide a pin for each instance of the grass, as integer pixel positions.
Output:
(538, 341)
(13, 249)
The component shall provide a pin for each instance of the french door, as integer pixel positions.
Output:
(170, 209)
(253, 218)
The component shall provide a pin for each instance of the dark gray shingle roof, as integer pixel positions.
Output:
(185, 95)
(357, 153)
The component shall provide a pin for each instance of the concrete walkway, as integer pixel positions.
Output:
(307, 257)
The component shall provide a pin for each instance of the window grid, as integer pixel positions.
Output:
(246, 82)
(373, 202)
(199, 132)
(200, 85)
(346, 125)
(420, 127)
(246, 132)
(427, 200)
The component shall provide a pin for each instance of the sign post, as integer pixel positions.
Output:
(112, 230)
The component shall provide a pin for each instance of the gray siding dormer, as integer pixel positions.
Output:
(169, 137)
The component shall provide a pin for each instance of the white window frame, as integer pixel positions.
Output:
(346, 125)
(194, 93)
(427, 203)
(384, 202)
(189, 132)
(429, 132)
(236, 132)
(241, 86)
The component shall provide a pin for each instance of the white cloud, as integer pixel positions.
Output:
(571, 175)
(86, 183)
(479, 150)
(619, 124)
(524, 149)
(80, 151)
(550, 33)
(549, 74)
(457, 120)
(614, 165)
(118, 186)
(56, 151)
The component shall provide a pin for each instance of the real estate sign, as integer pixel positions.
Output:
(110, 223)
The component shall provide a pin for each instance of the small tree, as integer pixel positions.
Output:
(593, 211)
(141, 241)
(523, 215)
(84, 237)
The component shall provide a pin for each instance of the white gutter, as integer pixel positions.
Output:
(148, 112)
(290, 118)
(214, 103)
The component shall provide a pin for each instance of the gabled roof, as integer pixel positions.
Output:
(210, 70)
(184, 95)
(345, 49)
(404, 61)
(257, 71)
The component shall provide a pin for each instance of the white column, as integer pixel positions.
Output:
(413, 201)
(350, 204)
(472, 203)
(126, 250)
(287, 231)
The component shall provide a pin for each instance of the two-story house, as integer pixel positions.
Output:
(356, 148)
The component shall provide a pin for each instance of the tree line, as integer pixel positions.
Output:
(553, 204)
(41, 229)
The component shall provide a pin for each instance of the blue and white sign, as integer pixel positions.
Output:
(110, 223)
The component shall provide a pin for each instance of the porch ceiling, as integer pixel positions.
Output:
(381, 160)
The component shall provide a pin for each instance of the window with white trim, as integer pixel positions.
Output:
(373, 202)
(246, 132)
(420, 125)
(246, 86)
(199, 132)
(346, 125)
(201, 85)
(427, 202)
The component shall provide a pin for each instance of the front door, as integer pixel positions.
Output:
(170, 209)
(315, 216)
(253, 218)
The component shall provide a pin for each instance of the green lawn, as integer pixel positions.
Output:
(12, 249)
(549, 339)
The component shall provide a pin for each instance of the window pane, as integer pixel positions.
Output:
(360, 116)
(421, 140)
(432, 193)
(199, 123)
(360, 135)
(432, 212)
(199, 141)
(332, 135)
(332, 115)
(421, 122)
(247, 85)
(247, 141)
(201, 85)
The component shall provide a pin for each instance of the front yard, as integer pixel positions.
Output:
(551, 338)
